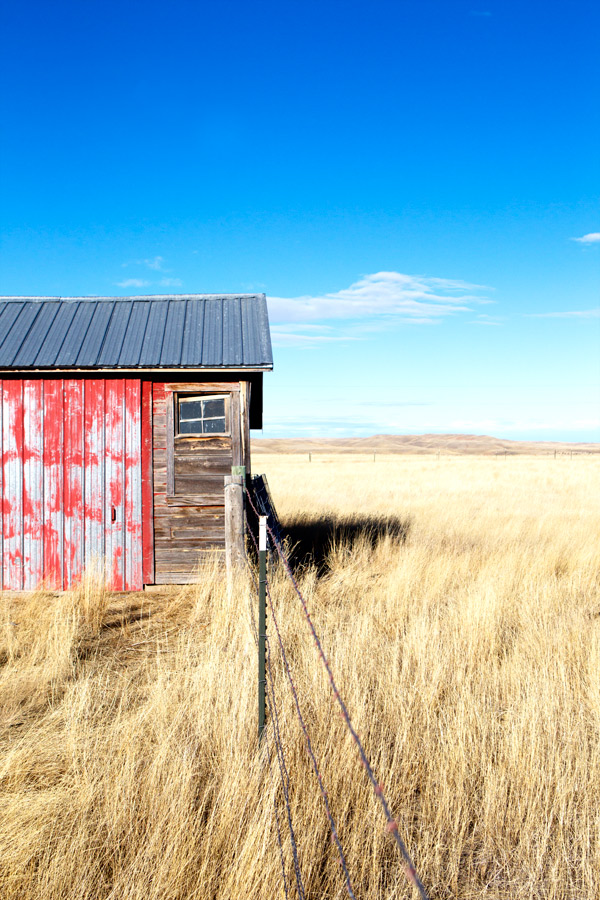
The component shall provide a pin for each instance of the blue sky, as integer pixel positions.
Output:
(414, 185)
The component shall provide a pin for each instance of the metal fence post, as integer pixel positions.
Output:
(262, 620)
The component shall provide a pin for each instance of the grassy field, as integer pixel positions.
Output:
(459, 602)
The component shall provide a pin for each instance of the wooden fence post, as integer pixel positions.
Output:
(234, 523)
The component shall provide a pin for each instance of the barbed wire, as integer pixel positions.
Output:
(278, 749)
(392, 825)
(277, 827)
(309, 747)
(285, 779)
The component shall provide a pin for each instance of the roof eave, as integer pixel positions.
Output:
(207, 370)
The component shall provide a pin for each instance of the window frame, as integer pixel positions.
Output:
(198, 395)
(175, 440)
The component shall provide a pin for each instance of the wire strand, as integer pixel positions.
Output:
(285, 784)
(278, 750)
(277, 826)
(309, 747)
(392, 825)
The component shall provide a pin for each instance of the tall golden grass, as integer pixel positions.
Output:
(459, 603)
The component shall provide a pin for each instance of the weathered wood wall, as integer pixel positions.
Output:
(189, 475)
(86, 476)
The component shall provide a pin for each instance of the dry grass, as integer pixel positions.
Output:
(459, 602)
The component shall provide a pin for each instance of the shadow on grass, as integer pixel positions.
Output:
(311, 540)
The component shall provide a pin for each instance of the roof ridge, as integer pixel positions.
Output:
(7, 298)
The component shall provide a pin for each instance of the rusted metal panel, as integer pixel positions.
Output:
(114, 544)
(33, 484)
(147, 489)
(12, 497)
(133, 483)
(71, 481)
(74, 527)
(1, 483)
(53, 483)
(94, 471)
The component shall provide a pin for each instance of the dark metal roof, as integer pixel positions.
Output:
(189, 331)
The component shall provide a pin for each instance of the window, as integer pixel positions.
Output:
(202, 415)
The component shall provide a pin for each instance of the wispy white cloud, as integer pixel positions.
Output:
(391, 404)
(155, 263)
(133, 282)
(592, 238)
(383, 295)
(305, 335)
(568, 314)
(483, 319)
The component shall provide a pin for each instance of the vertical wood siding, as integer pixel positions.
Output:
(189, 523)
(71, 482)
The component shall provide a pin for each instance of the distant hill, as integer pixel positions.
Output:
(456, 444)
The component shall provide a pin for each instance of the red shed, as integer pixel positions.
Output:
(119, 418)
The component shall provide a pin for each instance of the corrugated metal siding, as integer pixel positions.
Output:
(196, 331)
(71, 482)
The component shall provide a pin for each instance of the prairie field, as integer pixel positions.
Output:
(458, 601)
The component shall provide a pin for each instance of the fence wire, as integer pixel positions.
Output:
(281, 762)
(391, 824)
(285, 779)
(309, 747)
(277, 826)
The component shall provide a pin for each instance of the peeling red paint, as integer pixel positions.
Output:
(33, 474)
(147, 485)
(12, 464)
(71, 459)
(74, 525)
(54, 415)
